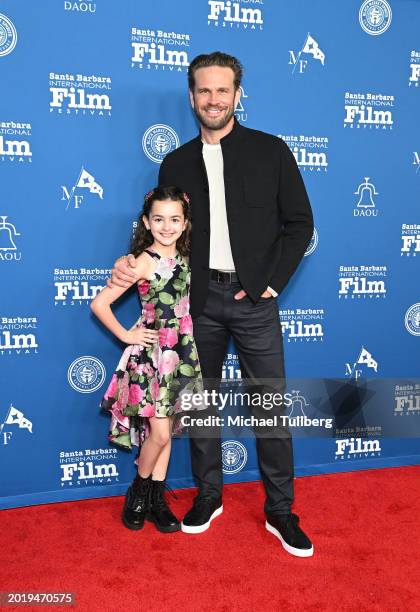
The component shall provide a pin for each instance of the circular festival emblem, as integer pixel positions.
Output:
(234, 456)
(412, 319)
(8, 35)
(375, 16)
(158, 141)
(86, 374)
(313, 243)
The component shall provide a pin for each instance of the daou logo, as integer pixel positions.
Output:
(80, 7)
(8, 248)
(365, 205)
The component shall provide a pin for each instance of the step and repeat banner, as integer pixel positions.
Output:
(93, 96)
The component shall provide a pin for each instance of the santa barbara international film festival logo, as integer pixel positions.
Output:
(8, 35)
(357, 447)
(361, 282)
(364, 364)
(89, 467)
(234, 456)
(243, 14)
(86, 374)
(368, 111)
(309, 51)
(407, 399)
(78, 286)
(18, 335)
(8, 249)
(79, 94)
(365, 205)
(412, 319)
(14, 141)
(414, 77)
(14, 417)
(375, 16)
(410, 237)
(154, 49)
(159, 140)
(310, 152)
(74, 195)
(302, 324)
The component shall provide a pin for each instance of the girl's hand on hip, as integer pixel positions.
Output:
(142, 336)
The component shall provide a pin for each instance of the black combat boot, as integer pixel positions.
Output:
(136, 504)
(159, 511)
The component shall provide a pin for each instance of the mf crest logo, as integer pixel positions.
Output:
(13, 417)
(416, 161)
(364, 362)
(73, 196)
(310, 50)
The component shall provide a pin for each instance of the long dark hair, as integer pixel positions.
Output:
(143, 237)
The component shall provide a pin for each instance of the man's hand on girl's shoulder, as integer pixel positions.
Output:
(123, 272)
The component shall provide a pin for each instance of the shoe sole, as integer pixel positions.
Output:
(170, 529)
(205, 526)
(297, 552)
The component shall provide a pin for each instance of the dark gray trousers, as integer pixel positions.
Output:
(256, 331)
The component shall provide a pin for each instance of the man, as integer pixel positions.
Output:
(252, 222)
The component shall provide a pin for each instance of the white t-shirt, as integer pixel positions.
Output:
(220, 249)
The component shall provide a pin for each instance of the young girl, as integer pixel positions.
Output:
(161, 362)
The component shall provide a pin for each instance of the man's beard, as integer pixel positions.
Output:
(215, 125)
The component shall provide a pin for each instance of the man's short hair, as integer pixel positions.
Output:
(217, 58)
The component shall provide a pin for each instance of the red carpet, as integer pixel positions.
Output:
(364, 526)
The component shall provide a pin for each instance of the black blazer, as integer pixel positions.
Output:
(269, 216)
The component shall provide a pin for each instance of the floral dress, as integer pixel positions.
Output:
(150, 381)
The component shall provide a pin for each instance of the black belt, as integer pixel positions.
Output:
(224, 277)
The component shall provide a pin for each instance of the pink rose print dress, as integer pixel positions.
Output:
(149, 381)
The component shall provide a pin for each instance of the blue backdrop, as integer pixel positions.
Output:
(93, 95)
